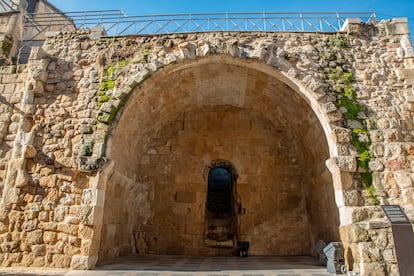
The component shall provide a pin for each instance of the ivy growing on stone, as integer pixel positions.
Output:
(347, 101)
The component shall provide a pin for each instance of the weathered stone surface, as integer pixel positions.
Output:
(342, 135)
(174, 105)
(346, 163)
(404, 179)
(82, 262)
(35, 237)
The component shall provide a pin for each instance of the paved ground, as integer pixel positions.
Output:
(191, 266)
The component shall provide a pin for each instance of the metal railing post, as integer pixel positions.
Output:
(301, 22)
(339, 21)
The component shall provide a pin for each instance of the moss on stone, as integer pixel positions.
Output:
(87, 149)
(108, 83)
(341, 82)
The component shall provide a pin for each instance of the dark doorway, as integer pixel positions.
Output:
(221, 221)
(220, 193)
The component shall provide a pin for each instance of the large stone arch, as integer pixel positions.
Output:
(60, 176)
(173, 111)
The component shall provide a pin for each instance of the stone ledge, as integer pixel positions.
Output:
(398, 26)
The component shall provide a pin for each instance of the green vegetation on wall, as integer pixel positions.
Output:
(341, 84)
(107, 84)
(87, 148)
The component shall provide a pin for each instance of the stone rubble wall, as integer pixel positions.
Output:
(56, 116)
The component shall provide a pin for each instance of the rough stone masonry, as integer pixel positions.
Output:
(107, 143)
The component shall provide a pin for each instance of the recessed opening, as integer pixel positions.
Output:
(225, 153)
(219, 193)
(221, 220)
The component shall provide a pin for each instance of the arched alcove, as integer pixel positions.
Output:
(183, 118)
(222, 207)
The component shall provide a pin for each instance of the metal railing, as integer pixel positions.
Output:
(116, 22)
(8, 6)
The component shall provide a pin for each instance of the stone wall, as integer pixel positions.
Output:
(107, 143)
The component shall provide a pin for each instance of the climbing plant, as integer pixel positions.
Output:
(341, 82)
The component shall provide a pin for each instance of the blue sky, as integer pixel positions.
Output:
(385, 9)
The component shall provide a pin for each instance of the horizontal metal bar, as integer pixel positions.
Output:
(116, 22)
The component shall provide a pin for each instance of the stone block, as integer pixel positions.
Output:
(83, 262)
(30, 151)
(15, 257)
(48, 181)
(408, 73)
(11, 69)
(398, 26)
(97, 33)
(330, 107)
(346, 163)
(409, 62)
(87, 215)
(8, 247)
(28, 259)
(30, 225)
(50, 237)
(389, 256)
(3, 228)
(25, 247)
(37, 53)
(9, 88)
(409, 81)
(71, 219)
(203, 50)
(408, 196)
(376, 166)
(403, 179)
(51, 226)
(85, 232)
(170, 58)
(9, 78)
(410, 99)
(68, 228)
(35, 237)
(39, 261)
(86, 247)
(39, 250)
(346, 27)
(371, 268)
(342, 135)
(351, 197)
(40, 75)
(406, 46)
(357, 234)
(354, 214)
(61, 260)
